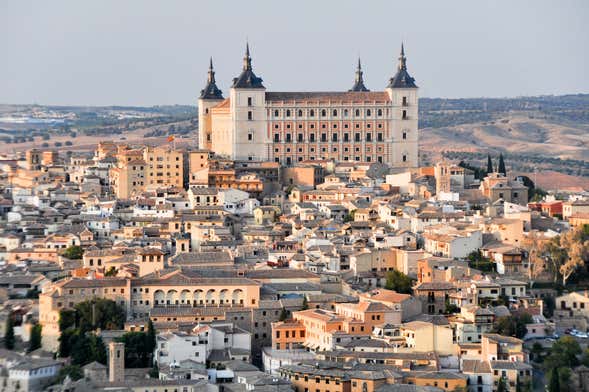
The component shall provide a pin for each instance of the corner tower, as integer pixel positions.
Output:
(209, 97)
(403, 93)
(249, 140)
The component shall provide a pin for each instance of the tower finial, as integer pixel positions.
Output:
(211, 78)
(247, 60)
(402, 58)
(359, 79)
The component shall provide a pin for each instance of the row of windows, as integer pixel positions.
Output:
(334, 112)
(289, 160)
(324, 137)
(324, 149)
(250, 114)
(334, 126)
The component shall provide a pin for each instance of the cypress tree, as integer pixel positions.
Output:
(151, 336)
(35, 341)
(554, 385)
(502, 165)
(489, 164)
(9, 334)
(283, 315)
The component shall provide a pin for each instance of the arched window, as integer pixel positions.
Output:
(300, 114)
(287, 112)
(323, 112)
(334, 113)
(379, 113)
(357, 112)
(276, 113)
(312, 113)
(368, 112)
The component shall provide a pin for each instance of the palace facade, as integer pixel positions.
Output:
(253, 124)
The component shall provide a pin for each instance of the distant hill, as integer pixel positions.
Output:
(534, 133)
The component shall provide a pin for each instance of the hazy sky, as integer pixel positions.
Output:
(156, 52)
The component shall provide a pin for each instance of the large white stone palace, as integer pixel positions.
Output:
(289, 127)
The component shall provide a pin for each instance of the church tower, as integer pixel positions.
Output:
(359, 80)
(249, 140)
(210, 96)
(404, 137)
(116, 362)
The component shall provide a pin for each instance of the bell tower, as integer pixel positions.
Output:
(116, 362)
(404, 137)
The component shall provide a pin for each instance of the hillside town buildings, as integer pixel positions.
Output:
(301, 247)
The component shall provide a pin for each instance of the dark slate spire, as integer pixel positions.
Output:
(402, 79)
(359, 81)
(211, 91)
(247, 60)
(247, 78)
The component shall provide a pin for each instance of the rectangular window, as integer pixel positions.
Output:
(311, 137)
(368, 137)
(249, 101)
(250, 136)
(276, 137)
(300, 137)
(379, 137)
(334, 137)
(323, 137)
(357, 137)
(250, 115)
(346, 137)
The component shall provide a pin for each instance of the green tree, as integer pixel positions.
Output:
(513, 325)
(74, 252)
(305, 303)
(283, 314)
(112, 271)
(451, 308)
(554, 380)
(9, 334)
(502, 385)
(99, 313)
(151, 336)
(154, 372)
(67, 319)
(35, 340)
(489, 164)
(80, 350)
(73, 371)
(501, 168)
(137, 350)
(563, 353)
(97, 349)
(398, 281)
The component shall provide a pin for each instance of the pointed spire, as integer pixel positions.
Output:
(402, 59)
(247, 60)
(402, 79)
(211, 78)
(359, 80)
(211, 91)
(247, 78)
